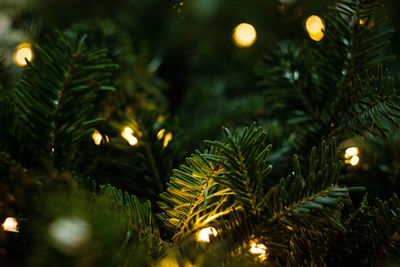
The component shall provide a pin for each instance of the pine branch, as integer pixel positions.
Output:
(56, 109)
(193, 198)
(244, 161)
(327, 88)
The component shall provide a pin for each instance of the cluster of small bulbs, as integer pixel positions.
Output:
(167, 137)
(255, 248)
(351, 156)
(127, 134)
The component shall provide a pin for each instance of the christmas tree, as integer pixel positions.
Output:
(104, 107)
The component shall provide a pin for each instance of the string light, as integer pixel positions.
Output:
(23, 51)
(350, 152)
(259, 249)
(244, 35)
(167, 139)
(127, 134)
(97, 138)
(10, 224)
(204, 234)
(315, 26)
(354, 160)
(160, 134)
(351, 155)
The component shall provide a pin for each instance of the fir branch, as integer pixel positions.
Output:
(56, 108)
(244, 161)
(193, 198)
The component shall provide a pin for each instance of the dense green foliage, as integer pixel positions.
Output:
(125, 203)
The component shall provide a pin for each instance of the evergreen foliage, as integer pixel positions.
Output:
(313, 216)
(338, 87)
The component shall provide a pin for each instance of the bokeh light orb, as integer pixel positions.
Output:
(23, 51)
(244, 35)
(315, 27)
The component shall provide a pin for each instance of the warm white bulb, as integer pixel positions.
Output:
(204, 234)
(259, 249)
(10, 225)
(354, 160)
(315, 26)
(97, 138)
(350, 152)
(244, 35)
(23, 51)
(127, 134)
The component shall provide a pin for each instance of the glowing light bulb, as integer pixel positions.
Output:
(10, 225)
(127, 134)
(244, 35)
(354, 160)
(167, 138)
(204, 234)
(160, 134)
(97, 138)
(69, 234)
(259, 249)
(315, 26)
(363, 21)
(23, 51)
(350, 152)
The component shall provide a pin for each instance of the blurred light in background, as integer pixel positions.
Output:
(23, 51)
(127, 134)
(160, 134)
(315, 26)
(351, 155)
(69, 234)
(167, 138)
(354, 160)
(351, 151)
(244, 35)
(97, 138)
(10, 225)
